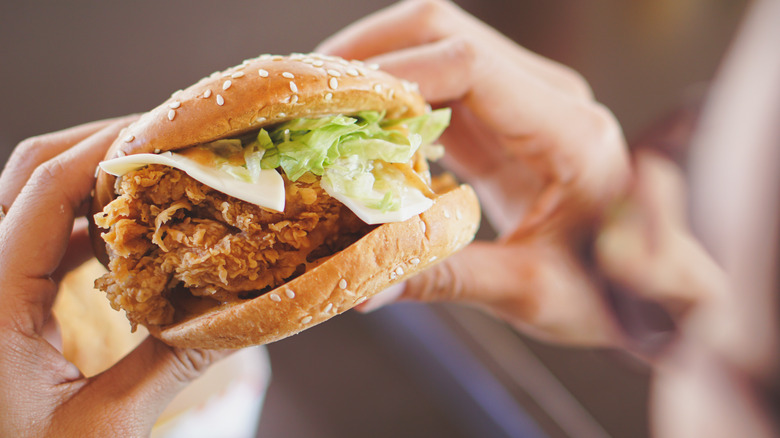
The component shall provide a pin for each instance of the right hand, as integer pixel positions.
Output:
(544, 157)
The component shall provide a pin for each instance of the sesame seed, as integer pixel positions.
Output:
(293, 87)
(360, 300)
(318, 63)
(260, 119)
(237, 75)
(97, 171)
(129, 138)
(378, 88)
(275, 297)
(328, 307)
(120, 153)
(328, 96)
(335, 73)
(280, 115)
(290, 294)
(220, 100)
(393, 275)
(207, 94)
(171, 114)
(288, 75)
(277, 58)
(352, 71)
(391, 93)
(333, 83)
(263, 73)
(458, 215)
(432, 258)
(422, 226)
(399, 271)
(306, 320)
(157, 151)
(174, 104)
(307, 61)
(342, 284)
(446, 214)
(294, 99)
(373, 66)
(415, 261)
(227, 85)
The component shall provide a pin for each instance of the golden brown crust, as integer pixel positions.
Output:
(386, 256)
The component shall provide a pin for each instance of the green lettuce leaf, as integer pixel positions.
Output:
(349, 153)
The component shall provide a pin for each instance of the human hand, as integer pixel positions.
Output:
(43, 188)
(544, 157)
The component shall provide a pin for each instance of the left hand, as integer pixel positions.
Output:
(43, 188)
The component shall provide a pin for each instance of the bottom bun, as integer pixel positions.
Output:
(387, 255)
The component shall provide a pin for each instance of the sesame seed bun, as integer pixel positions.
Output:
(266, 91)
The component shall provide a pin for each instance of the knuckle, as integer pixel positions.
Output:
(607, 163)
(576, 83)
(426, 11)
(28, 153)
(463, 46)
(188, 364)
(49, 172)
(601, 131)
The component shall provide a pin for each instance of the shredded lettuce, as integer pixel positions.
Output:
(350, 153)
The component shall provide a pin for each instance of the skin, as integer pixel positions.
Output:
(545, 158)
(577, 218)
(44, 187)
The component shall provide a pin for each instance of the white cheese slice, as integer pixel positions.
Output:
(268, 191)
(413, 202)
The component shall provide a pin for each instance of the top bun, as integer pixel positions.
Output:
(265, 91)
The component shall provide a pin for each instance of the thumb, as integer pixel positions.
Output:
(127, 399)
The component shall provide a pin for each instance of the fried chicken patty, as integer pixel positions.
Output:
(168, 231)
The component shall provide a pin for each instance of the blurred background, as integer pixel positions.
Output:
(408, 370)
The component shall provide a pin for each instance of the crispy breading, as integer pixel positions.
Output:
(166, 230)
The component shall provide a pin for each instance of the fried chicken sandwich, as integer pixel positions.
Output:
(270, 197)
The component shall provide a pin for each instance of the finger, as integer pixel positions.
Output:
(412, 23)
(420, 63)
(79, 249)
(36, 231)
(696, 393)
(130, 396)
(34, 151)
(574, 149)
(647, 247)
(537, 287)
